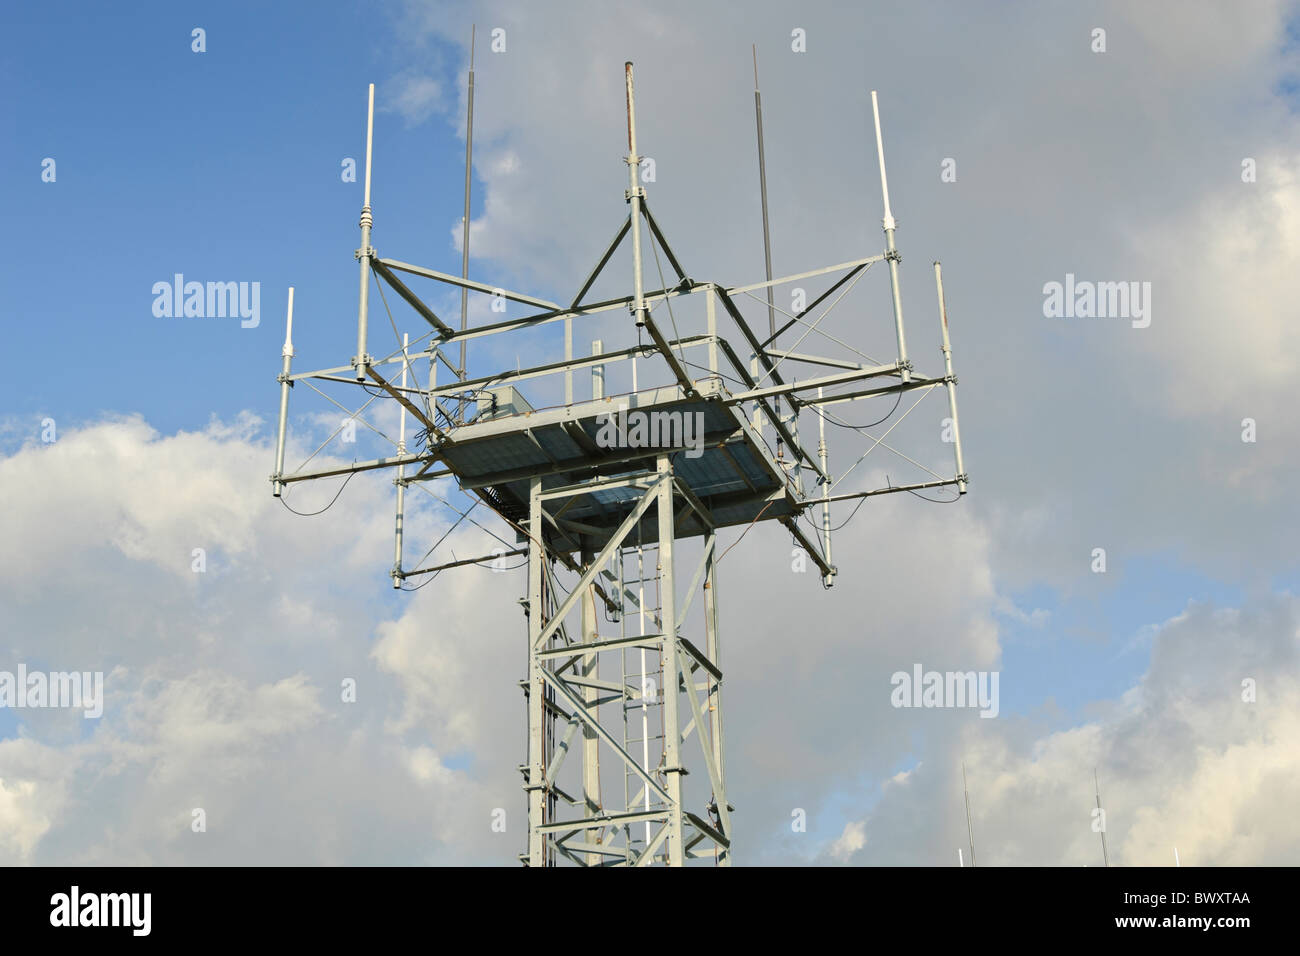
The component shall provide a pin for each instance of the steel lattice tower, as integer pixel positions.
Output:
(604, 527)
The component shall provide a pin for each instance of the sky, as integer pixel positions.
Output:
(1162, 154)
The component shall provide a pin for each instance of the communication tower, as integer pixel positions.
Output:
(622, 662)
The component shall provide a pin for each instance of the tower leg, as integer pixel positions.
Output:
(722, 855)
(590, 742)
(671, 674)
(536, 686)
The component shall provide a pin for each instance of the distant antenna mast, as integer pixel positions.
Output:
(464, 242)
(1105, 853)
(970, 832)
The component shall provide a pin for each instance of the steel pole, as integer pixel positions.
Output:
(827, 579)
(464, 244)
(713, 649)
(400, 519)
(767, 236)
(673, 768)
(590, 670)
(536, 785)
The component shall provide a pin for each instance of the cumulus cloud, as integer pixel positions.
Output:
(1191, 757)
(224, 689)
(415, 97)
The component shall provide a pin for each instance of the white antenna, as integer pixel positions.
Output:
(951, 379)
(288, 328)
(364, 253)
(960, 862)
(277, 486)
(1176, 860)
(891, 252)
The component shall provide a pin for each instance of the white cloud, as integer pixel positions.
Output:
(1183, 761)
(415, 97)
(853, 839)
(223, 689)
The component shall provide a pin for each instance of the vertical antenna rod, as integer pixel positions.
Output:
(464, 242)
(287, 352)
(1105, 853)
(362, 360)
(952, 382)
(970, 831)
(767, 236)
(634, 194)
(762, 188)
(891, 251)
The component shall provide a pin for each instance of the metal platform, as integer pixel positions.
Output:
(729, 470)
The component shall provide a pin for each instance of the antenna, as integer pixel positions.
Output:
(469, 157)
(635, 193)
(970, 830)
(277, 487)
(364, 254)
(762, 189)
(891, 251)
(951, 379)
(1105, 853)
(767, 236)
(604, 523)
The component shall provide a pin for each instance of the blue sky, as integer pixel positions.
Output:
(223, 166)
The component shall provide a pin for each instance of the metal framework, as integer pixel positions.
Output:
(605, 525)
